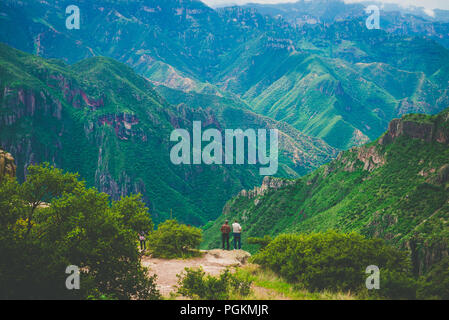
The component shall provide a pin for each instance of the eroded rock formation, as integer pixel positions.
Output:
(268, 184)
(7, 165)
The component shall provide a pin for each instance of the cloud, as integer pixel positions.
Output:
(429, 12)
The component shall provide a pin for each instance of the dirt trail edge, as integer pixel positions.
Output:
(212, 261)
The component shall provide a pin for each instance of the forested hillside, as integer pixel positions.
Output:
(395, 188)
(99, 118)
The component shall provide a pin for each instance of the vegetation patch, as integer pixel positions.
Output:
(174, 240)
(195, 284)
(52, 221)
(268, 285)
(336, 261)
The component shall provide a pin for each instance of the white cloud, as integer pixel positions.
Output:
(430, 12)
(428, 4)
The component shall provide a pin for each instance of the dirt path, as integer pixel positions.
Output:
(213, 262)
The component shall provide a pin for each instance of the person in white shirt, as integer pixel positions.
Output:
(236, 231)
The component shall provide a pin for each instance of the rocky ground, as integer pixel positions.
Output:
(212, 261)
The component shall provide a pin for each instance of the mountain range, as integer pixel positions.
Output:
(102, 120)
(335, 80)
(327, 11)
(91, 100)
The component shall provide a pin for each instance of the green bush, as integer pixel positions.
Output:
(195, 284)
(435, 284)
(333, 261)
(174, 240)
(397, 285)
(394, 285)
(80, 227)
(262, 242)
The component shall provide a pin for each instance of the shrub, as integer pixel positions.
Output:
(435, 284)
(174, 240)
(195, 284)
(331, 260)
(396, 285)
(393, 285)
(262, 242)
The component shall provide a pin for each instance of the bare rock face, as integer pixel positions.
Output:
(443, 174)
(7, 165)
(269, 183)
(426, 131)
(371, 158)
(423, 131)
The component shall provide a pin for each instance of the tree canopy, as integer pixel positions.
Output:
(52, 221)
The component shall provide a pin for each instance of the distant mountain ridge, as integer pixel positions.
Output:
(337, 81)
(332, 10)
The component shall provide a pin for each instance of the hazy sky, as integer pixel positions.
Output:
(429, 4)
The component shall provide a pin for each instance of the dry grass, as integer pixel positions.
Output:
(268, 286)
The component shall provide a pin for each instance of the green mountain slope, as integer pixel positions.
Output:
(395, 188)
(101, 119)
(340, 88)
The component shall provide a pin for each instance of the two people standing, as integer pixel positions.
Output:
(225, 231)
(236, 232)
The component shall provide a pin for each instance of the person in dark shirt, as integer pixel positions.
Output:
(225, 231)
(142, 240)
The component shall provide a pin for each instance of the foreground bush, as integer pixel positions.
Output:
(435, 284)
(52, 221)
(194, 284)
(174, 240)
(336, 261)
(262, 242)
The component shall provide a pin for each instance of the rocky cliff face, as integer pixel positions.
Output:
(268, 184)
(7, 165)
(424, 128)
(369, 156)
(418, 128)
